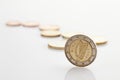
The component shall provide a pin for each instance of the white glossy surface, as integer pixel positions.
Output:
(24, 54)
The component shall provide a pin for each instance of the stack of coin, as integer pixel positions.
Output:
(50, 30)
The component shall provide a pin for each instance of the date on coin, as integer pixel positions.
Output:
(80, 50)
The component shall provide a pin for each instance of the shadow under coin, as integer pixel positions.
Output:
(77, 73)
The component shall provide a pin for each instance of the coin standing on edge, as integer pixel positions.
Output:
(80, 50)
(13, 23)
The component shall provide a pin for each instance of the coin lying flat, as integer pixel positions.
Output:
(49, 27)
(50, 33)
(30, 24)
(80, 50)
(67, 35)
(13, 23)
(57, 45)
(99, 40)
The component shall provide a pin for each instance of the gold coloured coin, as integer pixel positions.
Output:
(57, 44)
(67, 35)
(49, 27)
(30, 24)
(50, 33)
(80, 50)
(100, 40)
(13, 23)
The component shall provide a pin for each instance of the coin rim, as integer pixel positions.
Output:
(90, 45)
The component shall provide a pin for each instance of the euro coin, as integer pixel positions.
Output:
(49, 27)
(57, 45)
(30, 24)
(80, 50)
(13, 23)
(100, 40)
(50, 33)
(67, 35)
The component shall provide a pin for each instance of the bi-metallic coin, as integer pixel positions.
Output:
(80, 50)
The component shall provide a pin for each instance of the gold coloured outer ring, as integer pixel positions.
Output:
(90, 42)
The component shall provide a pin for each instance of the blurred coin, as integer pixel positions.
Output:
(57, 44)
(67, 35)
(99, 40)
(49, 27)
(30, 24)
(13, 23)
(50, 33)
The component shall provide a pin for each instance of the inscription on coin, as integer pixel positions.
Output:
(80, 50)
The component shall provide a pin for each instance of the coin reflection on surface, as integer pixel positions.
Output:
(77, 73)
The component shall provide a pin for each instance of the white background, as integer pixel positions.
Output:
(24, 54)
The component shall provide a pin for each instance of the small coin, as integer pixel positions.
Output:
(80, 50)
(57, 45)
(49, 27)
(30, 24)
(67, 35)
(13, 23)
(50, 33)
(100, 40)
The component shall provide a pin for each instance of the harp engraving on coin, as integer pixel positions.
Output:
(80, 50)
